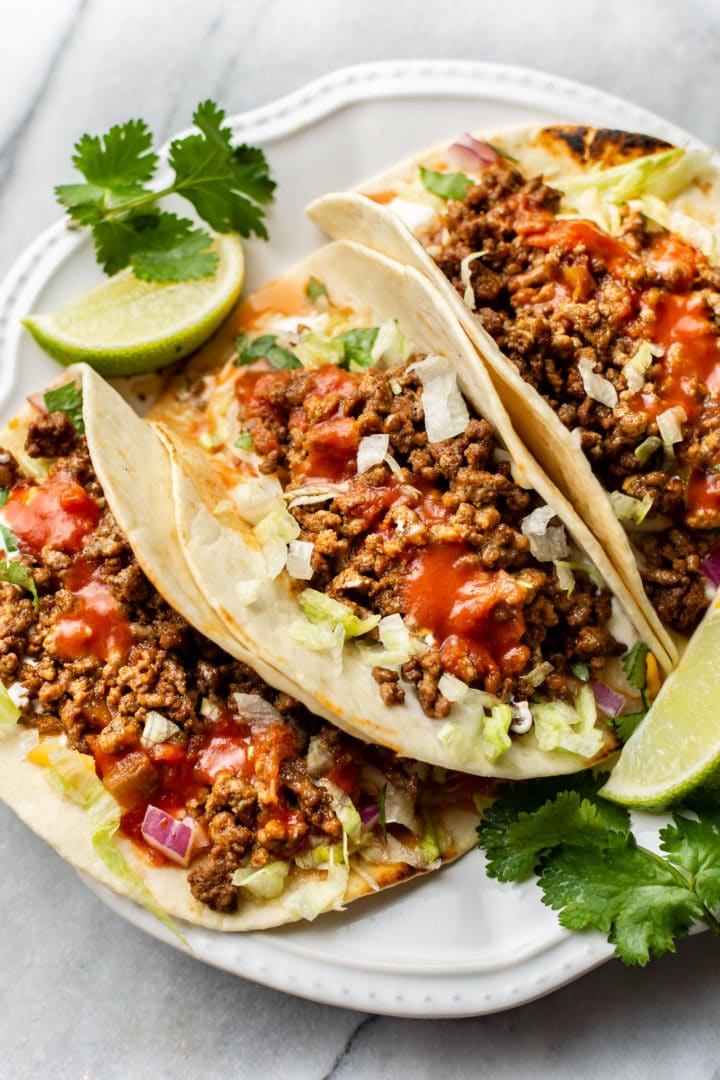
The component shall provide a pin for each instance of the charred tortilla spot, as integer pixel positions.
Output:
(599, 146)
(569, 138)
(608, 147)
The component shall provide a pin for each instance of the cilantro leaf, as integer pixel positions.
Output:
(227, 185)
(14, 573)
(448, 185)
(159, 246)
(245, 441)
(278, 357)
(635, 666)
(67, 399)
(526, 823)
(315, 289)
(502, 153)
(119, 158)
(695, 846)
(263, 347)
(115, 167)
(381, 811)
(623, 892)
(224, 185)
(4, 496)
(628, 724)
(9, 540)
(358, 344)
(581, 670)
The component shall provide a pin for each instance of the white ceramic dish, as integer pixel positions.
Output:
(457, 943)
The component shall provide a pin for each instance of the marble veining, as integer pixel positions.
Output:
(83, 994)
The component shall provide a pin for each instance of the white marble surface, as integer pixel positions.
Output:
(82, 994)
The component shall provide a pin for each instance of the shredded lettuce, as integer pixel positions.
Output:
(320, 637)
(274, 532)
(9, 712)
(321, 857)
(309, 903)
(390, 346)
(560, 726)
(263, 884)
(647, 448)
(320, 608)
(496, 732)
(75, 780)
(683, 225)
(315, 350)
(626, 508)
(396, 644)
(429, 845)
(664, 175)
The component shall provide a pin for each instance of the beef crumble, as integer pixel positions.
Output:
(550, 305)
(458, 494)
(101, 703)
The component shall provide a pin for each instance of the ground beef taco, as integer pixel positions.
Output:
(582, 263)
(136, 739)
(400, 556)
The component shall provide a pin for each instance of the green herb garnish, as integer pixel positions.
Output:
(381, 811)
(245, 442)
(263, 348)
(14, 573)
(358, 345)
(227, 185)
(315, 289)
(448, 185)
(594, 873)
(69, 400)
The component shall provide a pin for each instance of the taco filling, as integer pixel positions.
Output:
(617, 328)
(403, 528)
(211, 769)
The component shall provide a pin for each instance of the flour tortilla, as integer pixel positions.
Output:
(561, 150)
(221, 547)
(134, 470)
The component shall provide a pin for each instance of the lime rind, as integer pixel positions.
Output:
(125, 326)
(677, 746)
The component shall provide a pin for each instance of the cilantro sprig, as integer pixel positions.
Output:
(355, 355)
(593, 872)
(14, 573)
(227, 185)
(68, 399)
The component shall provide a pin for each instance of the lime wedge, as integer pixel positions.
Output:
(677, 746)
(125, 326)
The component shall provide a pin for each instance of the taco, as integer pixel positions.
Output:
(352, 496)
(178, 776)
(582, 263)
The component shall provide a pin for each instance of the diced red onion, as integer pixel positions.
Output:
(176, 838)
(38, 402)
(711, 567)
(470, 153)
(606, 698)
(369, 813)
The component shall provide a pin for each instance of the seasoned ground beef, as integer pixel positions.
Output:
(102, 703)
(551, 302)
(456, 497)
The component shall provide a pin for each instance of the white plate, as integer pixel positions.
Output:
(457, 943)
